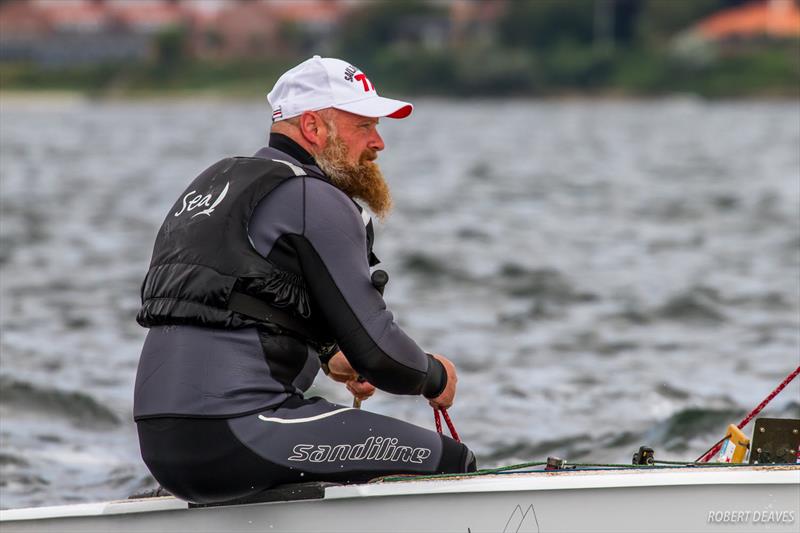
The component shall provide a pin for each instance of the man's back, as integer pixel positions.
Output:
(307, 226)
(260, 271)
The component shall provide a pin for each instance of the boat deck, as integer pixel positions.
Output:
(586, 499)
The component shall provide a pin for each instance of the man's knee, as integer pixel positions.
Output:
(456, 458)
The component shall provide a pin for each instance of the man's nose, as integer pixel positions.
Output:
(376, 142)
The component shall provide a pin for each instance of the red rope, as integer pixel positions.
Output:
(438, 421)
(705, 457)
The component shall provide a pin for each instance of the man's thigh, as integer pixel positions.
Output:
(329, 441)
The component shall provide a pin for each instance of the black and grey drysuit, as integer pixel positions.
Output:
(259, 271)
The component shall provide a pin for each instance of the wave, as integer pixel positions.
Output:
(697, 305)
(430, 268)
(572, 447)
(542, 284)
(11, 460)
(591, 341)
(76, 407)
(686, 434)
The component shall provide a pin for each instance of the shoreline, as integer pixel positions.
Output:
(16, 96)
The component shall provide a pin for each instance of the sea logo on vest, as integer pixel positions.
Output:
(372, 449)
(190, 203)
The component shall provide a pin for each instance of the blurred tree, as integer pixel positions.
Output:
(213, 39)
(547, 23)
(626, 16)
(293, 37)
(483, 69)
(169, 47)
(378, 25)
(661, 20)
(614, 23)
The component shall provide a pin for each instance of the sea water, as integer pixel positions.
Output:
(605, 275)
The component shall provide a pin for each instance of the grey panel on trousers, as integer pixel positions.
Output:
(323, 438)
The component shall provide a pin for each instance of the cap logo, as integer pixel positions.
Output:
(363, 79)
(277, 114)
(350, 75)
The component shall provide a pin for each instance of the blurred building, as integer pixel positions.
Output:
(738, 29)
(475, 20)
(776, 19)
(267, 28)
(74, 32)
(78, 32)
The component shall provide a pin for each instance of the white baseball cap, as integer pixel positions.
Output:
(322, 82)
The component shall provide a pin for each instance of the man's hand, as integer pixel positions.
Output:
(445, 399)
(361, 390)
(341, 371)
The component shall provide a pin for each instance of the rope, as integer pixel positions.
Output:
(701, 462)
(714, 449)
(517, 469)
(483, 472)
(438, 421)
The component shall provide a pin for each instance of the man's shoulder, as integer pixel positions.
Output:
(319, 190)
(269, 153)
(319, 196)
(252, 165)
(328, 204)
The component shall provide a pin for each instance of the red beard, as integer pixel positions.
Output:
(363, 180)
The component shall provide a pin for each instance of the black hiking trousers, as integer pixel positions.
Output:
(208, 460)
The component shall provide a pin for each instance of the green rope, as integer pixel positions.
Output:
(483, 472)
(667, 464)
(567, 467)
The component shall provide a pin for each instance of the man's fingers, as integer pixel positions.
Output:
(340, 369)
(362, 393)
(359, 389)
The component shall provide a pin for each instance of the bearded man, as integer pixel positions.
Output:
(260, 276)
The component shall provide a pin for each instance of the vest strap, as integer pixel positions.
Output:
(254, 308)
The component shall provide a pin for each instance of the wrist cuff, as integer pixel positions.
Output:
(327, 353)
(436, 381)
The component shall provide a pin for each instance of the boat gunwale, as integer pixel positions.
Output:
(490, 483)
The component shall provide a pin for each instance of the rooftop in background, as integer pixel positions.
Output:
(150, 15)
(771, 18)
(86, 16)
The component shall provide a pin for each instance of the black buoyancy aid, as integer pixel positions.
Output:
(203, 258)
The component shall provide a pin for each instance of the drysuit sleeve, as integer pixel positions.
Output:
(332, 250)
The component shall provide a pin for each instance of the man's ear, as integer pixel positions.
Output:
(313, 129)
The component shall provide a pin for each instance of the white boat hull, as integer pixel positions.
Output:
(682, 499)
